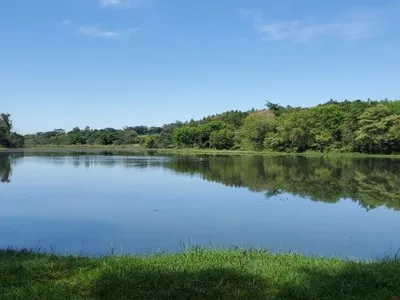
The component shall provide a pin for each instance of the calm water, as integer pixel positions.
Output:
(95, 202)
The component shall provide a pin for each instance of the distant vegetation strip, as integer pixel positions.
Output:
(187, 151)
(371, 127)
(196, 274)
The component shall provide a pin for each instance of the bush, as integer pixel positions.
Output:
(223, 139)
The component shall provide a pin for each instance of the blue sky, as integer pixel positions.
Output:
(111, 63)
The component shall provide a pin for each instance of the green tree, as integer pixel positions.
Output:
(155, 130)
(141, 130)
(325, 121)
(5, 124)
(16, 140)
(274, 107)
(150, 142)
(205, 131)
(255, 127)
(378, 131)
(8, 138)
(222, 139)
(5, 129)
(76, 136)
(186, 136)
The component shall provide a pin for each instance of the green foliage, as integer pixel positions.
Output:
(222, 139)
(205, 132)
(349, 126)
(8, 138)
(357, 126)
(233, 119)
(141, 130)
(325, 123)
(274, 107)
(187, 136)
(379, 130)
(394, 107)
(16, 140)
(128, 137)
(77, 137)
(5, 124)
(255, 127)
(292, 132)
(150, 142)
(195, 274)
(55, 137)
(155, 130)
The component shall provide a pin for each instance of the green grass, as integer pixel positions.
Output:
(72, 148)
(135, 146)
(195, 274)
(191, 151)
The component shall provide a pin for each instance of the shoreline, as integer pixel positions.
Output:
(196, 273)
(191, 151)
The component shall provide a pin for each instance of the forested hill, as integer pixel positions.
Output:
(349, 126)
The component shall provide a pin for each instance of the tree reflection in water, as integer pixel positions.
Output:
(371, 182)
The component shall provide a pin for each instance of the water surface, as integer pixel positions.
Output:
(92, 203)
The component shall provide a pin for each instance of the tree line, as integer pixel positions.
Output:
(347, 126)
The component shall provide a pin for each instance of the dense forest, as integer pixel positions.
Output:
(348, 126)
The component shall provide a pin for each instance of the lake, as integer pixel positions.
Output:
(96, 203)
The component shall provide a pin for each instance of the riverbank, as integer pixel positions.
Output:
(263, 153)
(195, 274)
(187, 151)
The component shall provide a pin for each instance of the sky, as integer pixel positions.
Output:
(116, 63)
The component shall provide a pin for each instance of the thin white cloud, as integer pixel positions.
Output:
(120, 3)
(106, 3)
(101, 33)
(350, 26)
(65, 22)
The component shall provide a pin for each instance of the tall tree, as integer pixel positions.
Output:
(5, 123)
(5, 130)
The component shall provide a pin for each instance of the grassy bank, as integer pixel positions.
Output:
(243, 152)
(129, 147)
(186, 151)
(75, 148)
(195, 274)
